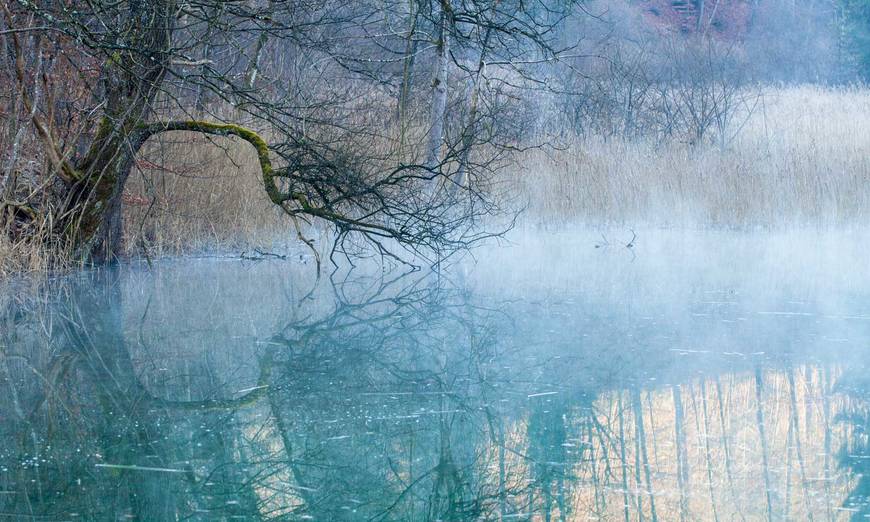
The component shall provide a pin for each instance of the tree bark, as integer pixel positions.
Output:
(407, 69)
(439, 88)
(470, 127)
(131, 78)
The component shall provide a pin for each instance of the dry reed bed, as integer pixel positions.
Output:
(801, 158)
(192, 193)
(29, 255)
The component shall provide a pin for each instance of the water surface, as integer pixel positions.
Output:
(708, 376)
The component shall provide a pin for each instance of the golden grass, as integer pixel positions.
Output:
(194, 193)
(30, 254)
(801, 159)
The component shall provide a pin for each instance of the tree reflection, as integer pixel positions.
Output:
(855, 453)
(101, 446)
(389, 398)
(372, 406)
(549, 456)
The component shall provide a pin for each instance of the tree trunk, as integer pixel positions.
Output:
(469, 130)
(641, 437)
(93, 220)
(407, 70)
(793, 418)
(439, 88)
(682, 456)
(254, 65)
(707, 453)
(623, 463)
(131, 79)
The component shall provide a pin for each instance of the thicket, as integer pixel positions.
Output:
(575, 111)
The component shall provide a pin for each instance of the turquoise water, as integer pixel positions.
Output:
(690, 377)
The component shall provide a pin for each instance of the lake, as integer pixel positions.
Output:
(560, 376)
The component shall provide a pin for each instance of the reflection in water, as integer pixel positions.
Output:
(406, 398)
(855, 452)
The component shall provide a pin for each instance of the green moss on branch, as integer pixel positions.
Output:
(226, 129)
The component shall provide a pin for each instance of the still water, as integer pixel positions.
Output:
(565, 377)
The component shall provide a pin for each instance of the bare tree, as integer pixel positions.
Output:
(298, 74)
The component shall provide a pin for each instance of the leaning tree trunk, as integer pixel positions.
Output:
(89, 222)
(92, 218)
(130, 80)
(93, 223)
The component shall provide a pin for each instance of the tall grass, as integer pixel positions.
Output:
(193, 193)
(32, 253)
(801, 158)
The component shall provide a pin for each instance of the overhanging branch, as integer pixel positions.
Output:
(268, 172)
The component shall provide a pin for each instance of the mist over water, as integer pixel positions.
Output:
(561, 376)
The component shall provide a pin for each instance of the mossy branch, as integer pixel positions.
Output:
(227, 129)
(385, 219)
(268, 171)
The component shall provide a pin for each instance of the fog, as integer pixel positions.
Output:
(435, 260)
(551, 377)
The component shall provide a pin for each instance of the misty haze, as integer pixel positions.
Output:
(435, 260)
